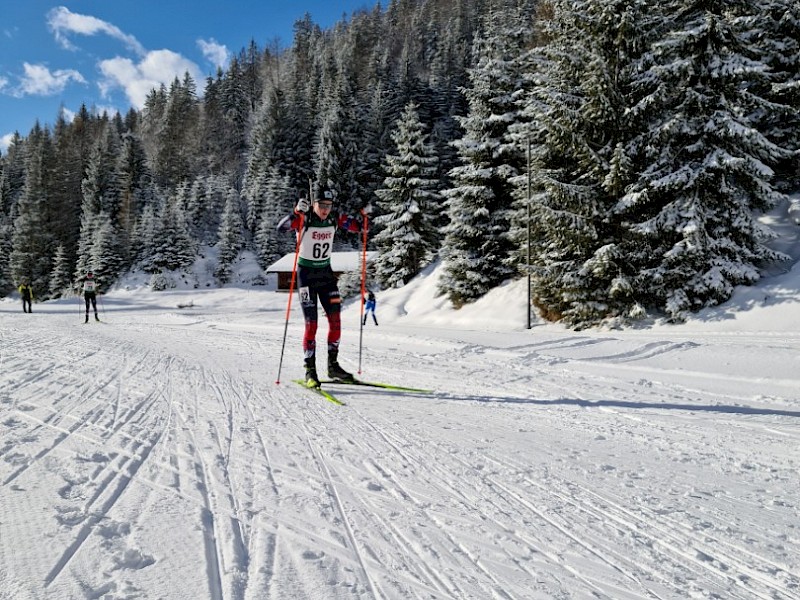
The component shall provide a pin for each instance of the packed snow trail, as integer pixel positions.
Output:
(153, 456)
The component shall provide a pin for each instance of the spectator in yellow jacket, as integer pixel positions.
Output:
(26, 291)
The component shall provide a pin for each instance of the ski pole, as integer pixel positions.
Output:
(364, 228)
(291, 293)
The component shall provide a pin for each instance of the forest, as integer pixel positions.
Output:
(618, 152)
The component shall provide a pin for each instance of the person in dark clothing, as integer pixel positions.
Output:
(369, 306)
(26, 291)
(90, 294)
(316, 281)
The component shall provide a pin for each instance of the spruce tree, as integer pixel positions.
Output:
(32, 241)
(12, 185)
(336, 149)
(60, 277)
(65, 193)
(231, 240)
(131, 178)
(575, 118)
(777, 36)
(408, 204)
(271, 244)
(107, 259)
(478, 253)
(173, 247)
(143, 241)
(707, 172)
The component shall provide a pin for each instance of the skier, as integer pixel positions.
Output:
(26, 291)
(315, 278)
(370, 306)
(90, 294)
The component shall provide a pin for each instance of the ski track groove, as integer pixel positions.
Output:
(222, 429)
(447, 589)
(329, 472)
(538, 548)
(122, 481)
(507, 527)
(212, 550)
(701, 543)
(239, 526)
(269, 551)
(630, 522)
(113, 479)
(701, 566)
(443, 588)
(54, 420)
(434, 580)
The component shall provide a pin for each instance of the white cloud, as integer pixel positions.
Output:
(62, 21)
(3, 83)
(217, 54)
(40, 81)
(5, 141)
(137, 79)
(69, 115)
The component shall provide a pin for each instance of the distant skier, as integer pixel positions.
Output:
(90, 294)
(370, 306)
(26, 292)
(315, 278)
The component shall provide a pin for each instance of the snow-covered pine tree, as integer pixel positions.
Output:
(776, 33)
(574, 116)
(131, 178)
(60, 277)
(707, 174)
(235, 104)
(300, 89)
(32, 241)
(212, 126)
(90, 221)
(205, 201)
(409, 203)
(231, 237)
(100, 200)
(477, 251)
(107, 260)
(144, 237)
(12, 184)
(178, 139)
(65, 193)
(336, 151)
(6, 230)
(271, 244)
(173, 247)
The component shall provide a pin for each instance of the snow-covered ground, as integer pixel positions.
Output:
(154, 456)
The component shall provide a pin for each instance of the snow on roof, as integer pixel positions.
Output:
(341, 262)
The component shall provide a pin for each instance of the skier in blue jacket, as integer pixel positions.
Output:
(369, 306)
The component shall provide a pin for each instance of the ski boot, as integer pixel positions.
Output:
(335, 371)
(87, 318)
(96, 318)
(311, 379)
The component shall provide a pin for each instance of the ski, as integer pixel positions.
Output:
(320, 392)
(375, 384)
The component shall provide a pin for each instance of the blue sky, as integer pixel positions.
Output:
(108, 54)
